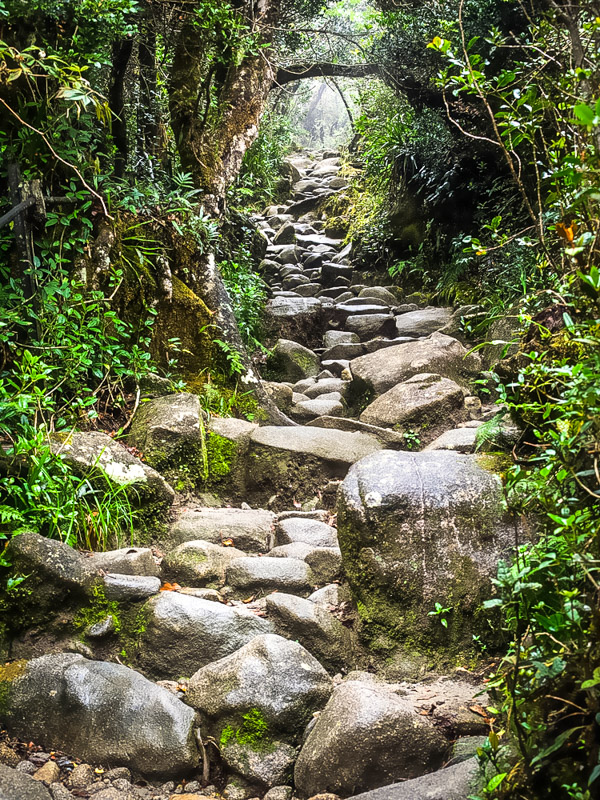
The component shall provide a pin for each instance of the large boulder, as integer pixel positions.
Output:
(299, 319)
(379, 371)
(420, 529)
(181, 633)
(101, 459)
(425, 403)
(270, 687)
(56, 576)
(247, 529)
(100, 712)
(456, 782)
(169, 432)
(290, 361)
(367, 736)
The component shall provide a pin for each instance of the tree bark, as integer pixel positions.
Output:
(116, 101)
(212, 145)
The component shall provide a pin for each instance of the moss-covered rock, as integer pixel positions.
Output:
(169, 431)
(422, 533)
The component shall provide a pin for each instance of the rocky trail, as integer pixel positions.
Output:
(307, 626)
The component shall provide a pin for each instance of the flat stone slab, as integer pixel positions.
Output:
(423, 322)
(269, 573)
(389, 439)
(342, 446)
(461, 440)
(248, 529)
(291, 306)
(297, 464)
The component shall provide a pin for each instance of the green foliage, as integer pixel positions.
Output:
(98, 609)
(248, 293)
(259, 180)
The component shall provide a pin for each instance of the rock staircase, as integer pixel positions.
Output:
(247, 673)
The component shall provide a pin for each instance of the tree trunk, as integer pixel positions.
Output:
(212, 145)
(116, 101)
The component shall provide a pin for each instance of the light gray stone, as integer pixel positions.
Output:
(330, 405)
(313, 626)
(367, 736)
(332, 338)
(421, 528)
(422, 322)
(263, 766)
(327, 386)
(291, 361)
(84, 451)
(183, 633)
(439, 354)
(130, 587)
(278, 677)
(461, 440)
(426, 403)
(249, 530)
(269, 574)
(103, 713)
(198, 563)
(326, 596)
(310, 531)
(126, 561)
(453, 783)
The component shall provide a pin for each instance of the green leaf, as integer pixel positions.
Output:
(495, 782)
(584, 114)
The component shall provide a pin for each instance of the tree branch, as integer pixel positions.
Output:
(296, 72)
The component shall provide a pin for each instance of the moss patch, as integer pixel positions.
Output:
(220, 456)
(8, 674)
(98, 609)
(253, 732)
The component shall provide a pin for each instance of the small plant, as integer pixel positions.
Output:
(441, 613)
(412, 440)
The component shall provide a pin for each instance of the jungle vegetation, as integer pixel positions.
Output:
(142, 133)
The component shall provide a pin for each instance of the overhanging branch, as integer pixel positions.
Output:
(297, 72)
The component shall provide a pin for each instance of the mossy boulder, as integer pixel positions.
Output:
(227, 443)
(199, 563)
(416, 530)
(290, 361)
(266, 690)
(52, 575)
(169, 432)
